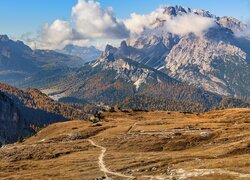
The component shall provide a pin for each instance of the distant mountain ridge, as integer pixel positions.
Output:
(85, 53)
(19, 62)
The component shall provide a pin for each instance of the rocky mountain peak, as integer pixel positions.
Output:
(69, 47)
(5, 42)
(108, 54)
(179, 10)
(232, 23)
(4, 38)
(204, 13)
(109, 49)
(176, 10)
(123, 44)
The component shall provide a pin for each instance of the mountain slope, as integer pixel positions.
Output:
(212, 63)
(13, 125)
(19, 62)
(111, 81)
(216, 60)
(38, 109)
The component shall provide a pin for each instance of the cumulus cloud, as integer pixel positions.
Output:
(138, 23)
(57, 32)
(88, 22)
(94, 22)
(180, 25)
(54, 36)
(244, 33)
(189, 23)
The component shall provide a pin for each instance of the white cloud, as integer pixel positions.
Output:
(83, 42)
(88, 22)
(36, 42)
(180, 25)
(57, 32)
(138, 23)
(245, 33)
(101, 44)
(55, 35)
(94, 22)
(189, 23)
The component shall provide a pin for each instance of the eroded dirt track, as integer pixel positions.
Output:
(102, 165)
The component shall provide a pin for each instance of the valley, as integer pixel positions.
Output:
(136, 145)
(139, 94)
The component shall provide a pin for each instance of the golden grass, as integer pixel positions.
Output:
(142, 144)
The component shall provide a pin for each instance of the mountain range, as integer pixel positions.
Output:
(204, 69)
(216, 60)
(112, 80)
(19, 62)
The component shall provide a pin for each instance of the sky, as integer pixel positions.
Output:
(18, 17)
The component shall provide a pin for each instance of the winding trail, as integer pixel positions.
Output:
(131, 128)
(102, 165)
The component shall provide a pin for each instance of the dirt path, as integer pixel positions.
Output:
(102, 165)
(131, 128)
(183, 174)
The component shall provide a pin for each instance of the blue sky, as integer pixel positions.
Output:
(21, 16)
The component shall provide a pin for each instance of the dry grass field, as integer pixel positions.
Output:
(136, 145)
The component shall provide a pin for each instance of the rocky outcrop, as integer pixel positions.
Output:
(209, 62)
(232, 23)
